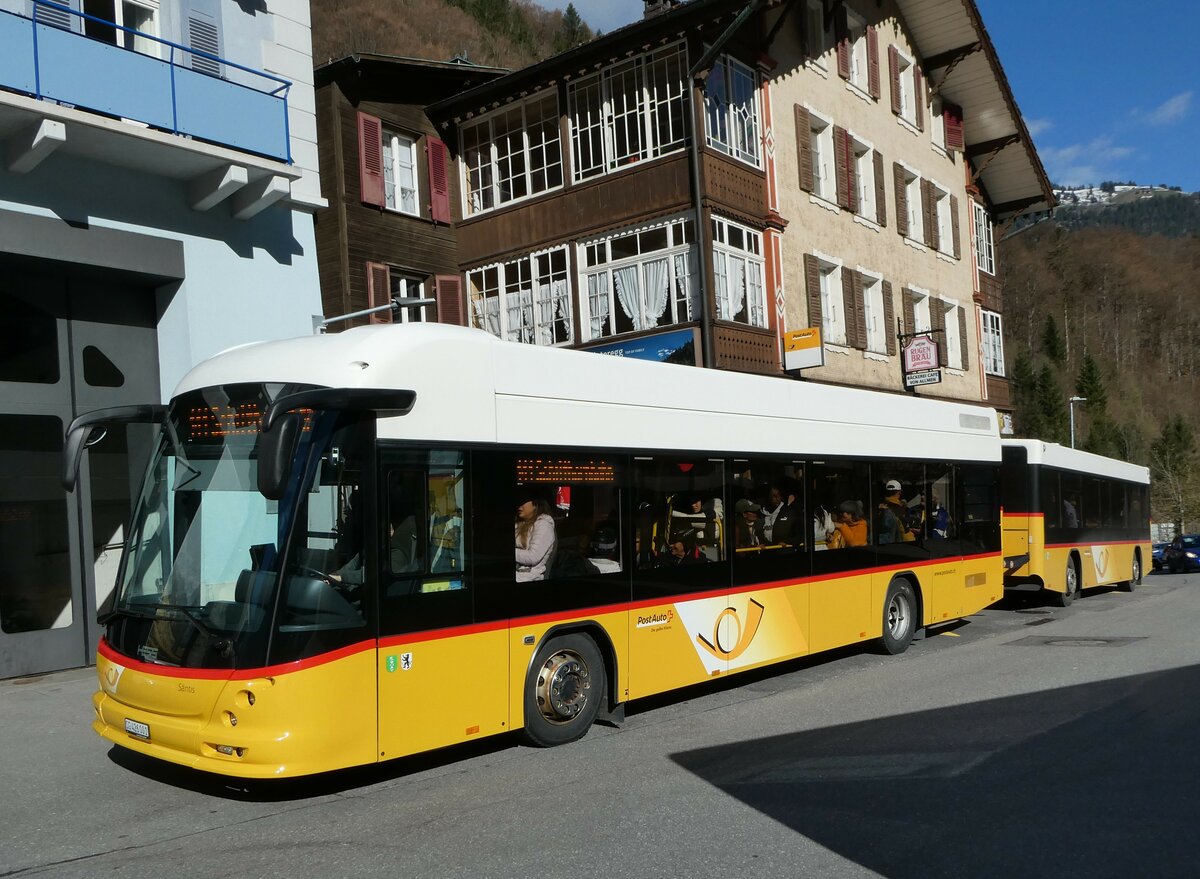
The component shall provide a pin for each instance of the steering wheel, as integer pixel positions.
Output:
(313, 572)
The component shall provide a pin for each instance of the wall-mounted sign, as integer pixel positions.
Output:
(922, 377)
(802, 349)
(673, 346)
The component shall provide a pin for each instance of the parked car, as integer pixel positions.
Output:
(1183, 554)
(1156, 555)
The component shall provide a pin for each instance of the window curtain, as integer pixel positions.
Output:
(721, 276)
(754, 295)
(737, 288)
(520, 315)
(626, 282)
(487, 313)
(598, 304)
(562, 301)
(658, 290)
(684, 289)
(545, 313)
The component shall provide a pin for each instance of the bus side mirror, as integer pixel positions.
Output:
(89, 428)
(276, 452)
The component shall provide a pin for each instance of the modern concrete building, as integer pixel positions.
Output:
(158, 172)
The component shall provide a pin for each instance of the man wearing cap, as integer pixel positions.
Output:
(749, 524)
(893, 514)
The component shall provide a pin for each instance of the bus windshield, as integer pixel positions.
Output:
(199, 582)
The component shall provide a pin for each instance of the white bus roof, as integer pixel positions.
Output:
(1054, 455)
(472, 387)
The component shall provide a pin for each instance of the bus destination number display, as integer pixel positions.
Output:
(560, 471)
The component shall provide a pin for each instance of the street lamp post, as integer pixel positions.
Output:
(1071, 401)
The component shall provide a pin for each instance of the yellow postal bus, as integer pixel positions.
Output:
(1072, 520)
(354, 547)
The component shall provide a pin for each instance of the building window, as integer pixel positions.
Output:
(937, 124)
(993, 343)
(833, 312)
(512, 154)
(731, 110)
(954, 322)
(627, 113)
(400, 172)
(738, 273)
(864, 178)
(912, 204)
(524, 300)
(638, 280)
(873, 311)
(985, 256)
(824, 167)
(408, 286)
(943, 231)
(818, 32)
(922, 322)
(905, 84)
(856, 29)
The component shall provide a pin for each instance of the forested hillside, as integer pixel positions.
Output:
(1112, 315)
(497, 33)
(1173, 214)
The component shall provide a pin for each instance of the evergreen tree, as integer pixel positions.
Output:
(1173, 471)
(1053, 345)
(1023, 382)
(1090, 386)
(1051, 406)
(1103, 437)
(572, 32)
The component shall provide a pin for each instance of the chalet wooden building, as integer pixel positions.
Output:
(698, 183)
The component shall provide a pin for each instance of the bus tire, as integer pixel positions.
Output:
(1135, 575)
(899, 617)
(564, 690)
(1071, 581)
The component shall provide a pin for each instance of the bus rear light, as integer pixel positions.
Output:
(230, 718)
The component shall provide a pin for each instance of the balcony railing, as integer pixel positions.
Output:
(245, 109)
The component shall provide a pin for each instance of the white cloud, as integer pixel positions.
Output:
(1170, 110)
(1082, 163)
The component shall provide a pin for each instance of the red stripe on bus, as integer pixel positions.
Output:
(1010, 515)
(1098, 543)
(392, 641)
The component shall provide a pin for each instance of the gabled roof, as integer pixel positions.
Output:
(962, 66)
(958, 56)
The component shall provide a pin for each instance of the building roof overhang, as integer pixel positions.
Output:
(963, 68)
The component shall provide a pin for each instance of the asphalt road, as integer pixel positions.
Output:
(1025, 741)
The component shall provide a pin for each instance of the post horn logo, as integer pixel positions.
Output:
(721, 646)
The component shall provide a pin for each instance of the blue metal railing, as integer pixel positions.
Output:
(245, 109)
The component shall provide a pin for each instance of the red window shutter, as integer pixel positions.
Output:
(448, 292)
(919, 96)
(952, 117)
(370, 159)
(894, 76)
(439, 179)
(379, 291)
(841, 30)
(840, 169)
(872, 62)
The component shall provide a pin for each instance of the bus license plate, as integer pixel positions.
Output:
(137, 729)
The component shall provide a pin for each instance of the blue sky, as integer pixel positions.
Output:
(1110, 91)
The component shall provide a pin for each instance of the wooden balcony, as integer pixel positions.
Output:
(746, 349)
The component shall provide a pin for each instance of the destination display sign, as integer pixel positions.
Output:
(564, 471)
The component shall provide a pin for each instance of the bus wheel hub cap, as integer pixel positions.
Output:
(562, 687)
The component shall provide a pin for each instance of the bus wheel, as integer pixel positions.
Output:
(1064, 599)
(1135, 576)
(564, 690)
(899, 609)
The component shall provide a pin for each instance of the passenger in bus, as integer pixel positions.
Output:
(780, 517)
(681, 552)
(535, 537)
(690, 519)
(749, 524)
(850, 528)
(939, 520)
(823, 528)
(893, 516)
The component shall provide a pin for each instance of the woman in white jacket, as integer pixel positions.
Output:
(535, 539)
